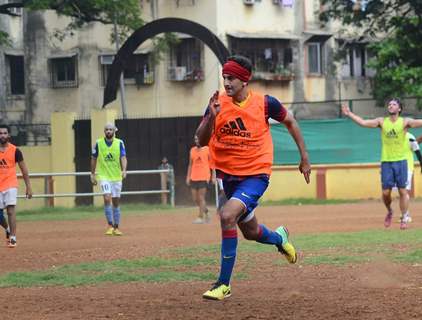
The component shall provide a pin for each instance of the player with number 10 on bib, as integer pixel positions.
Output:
(108, 166)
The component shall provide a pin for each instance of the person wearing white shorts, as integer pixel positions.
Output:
(10, 155)
(8, 197)
(108, 165)
(413, 148)
(111, 187)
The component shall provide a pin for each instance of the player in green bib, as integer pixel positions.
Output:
(108, 165)
(394, 154)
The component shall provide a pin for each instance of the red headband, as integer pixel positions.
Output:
(234, 69)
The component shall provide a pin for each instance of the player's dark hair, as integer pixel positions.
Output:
(243, 61)
(5, 126)
(397, 100)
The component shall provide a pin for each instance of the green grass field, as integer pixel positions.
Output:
(91, 212)
(193, 263)
(86, 212)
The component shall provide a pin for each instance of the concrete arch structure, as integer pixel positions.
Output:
(150, 30)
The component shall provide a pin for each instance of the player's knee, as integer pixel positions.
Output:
(386, 192)
(227, 219)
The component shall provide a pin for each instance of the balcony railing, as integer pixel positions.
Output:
(182, 74)
(272, 76)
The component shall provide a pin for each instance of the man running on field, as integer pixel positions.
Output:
(236, 128)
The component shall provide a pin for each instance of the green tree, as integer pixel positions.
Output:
(396, 28)
(126, 13)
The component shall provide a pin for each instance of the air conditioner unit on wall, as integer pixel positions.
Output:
(248, 2)
(177, 73)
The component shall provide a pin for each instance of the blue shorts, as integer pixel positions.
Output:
(394, 174)
(248, 191)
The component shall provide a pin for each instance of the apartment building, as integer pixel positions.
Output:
(291, 51)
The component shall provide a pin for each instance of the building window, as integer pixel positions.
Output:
(106, 61)
(354, 62)
(64, 72)
(15, 11)
(16, 74)
(185, 62)
(315, 58)
(272, 59)
(138, 69)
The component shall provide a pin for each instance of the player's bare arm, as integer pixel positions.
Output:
(367, 123)
(93, 167)
(294, 130)
(25, 175)
(412, 123)
(189, 171)
(123, 165)
(206, 127)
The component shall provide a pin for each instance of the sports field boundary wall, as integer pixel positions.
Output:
(328, 181)
(334, 181)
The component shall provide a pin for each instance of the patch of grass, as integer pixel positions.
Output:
(194, 263)
(51, 278)
(414, 256)
(85, 212)
(332, 248)
(148, 269)
(306, 201)
(354, 242)
(197, 250)
(357, 239)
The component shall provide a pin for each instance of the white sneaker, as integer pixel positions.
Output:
(198, 221)
(407, 218)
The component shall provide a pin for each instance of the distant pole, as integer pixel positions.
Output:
(339, 99)
(122, 80)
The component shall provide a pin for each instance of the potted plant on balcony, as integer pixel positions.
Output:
(282, 73)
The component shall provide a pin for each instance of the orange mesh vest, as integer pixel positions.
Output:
(8, 177)
(241, 143)
(200, 170)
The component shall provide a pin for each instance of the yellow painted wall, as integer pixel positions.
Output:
(37, 159)
(62, 155)
(356, 183)
(417, 180)
(289, 184)
(314, 88)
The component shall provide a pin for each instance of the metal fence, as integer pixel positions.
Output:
(49, 194)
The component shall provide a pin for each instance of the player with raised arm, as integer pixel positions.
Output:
(394, 152)
(236, 128)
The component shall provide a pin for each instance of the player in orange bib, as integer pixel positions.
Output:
(197, 178)
(236, 128)
(9, 156)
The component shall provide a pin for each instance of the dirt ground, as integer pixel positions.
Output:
(375, 290)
